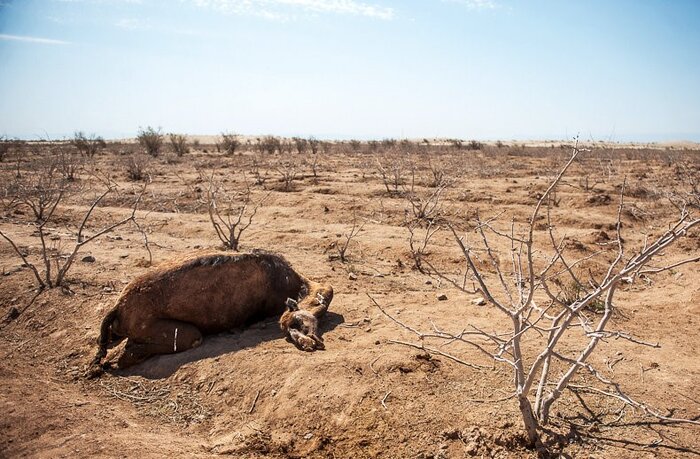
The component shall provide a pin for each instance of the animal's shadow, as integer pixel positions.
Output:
(162, 366)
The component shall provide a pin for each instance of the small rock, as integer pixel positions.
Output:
(442, 297)
(479, 301)
(88, 259)
(451, 434)
(126, 255)
(377, 342)
(197, 247)
(352, 276)
(11, 315)
(308, 436)
(428, 282)
(471, 448)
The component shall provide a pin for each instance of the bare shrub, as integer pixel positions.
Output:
(300, 144)
(475, 145)
(355, 145)
(8, 145)
(151, 139)
(288, 171)
(231, 212)
(88, 145)
(391, 169)
(326, 147)
(687, 174)
(178, 143)
(437, 171)
(259, 171)
(343, 243)
(425, 206)
(527, 281)
(69, 163)
(268, 144)
(42, 191)
(136, 166)
(418, 242)
(230, 143)
(285, 147)
(5, 146)
(388, 144)
(314, 165)
(314, 144)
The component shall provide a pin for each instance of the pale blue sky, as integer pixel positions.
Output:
(482, 69)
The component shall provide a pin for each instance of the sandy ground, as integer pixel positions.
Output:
(252, 394)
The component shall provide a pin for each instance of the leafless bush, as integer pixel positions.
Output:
(288, 170)
(230, 143)
(88, 146)
(178, 143)
(69, 163)
(688, 175)
(326, 147)
(230, 212)
(40, 188)
(373, 146)
(388, 144)
(437, 171)
(42, 192)
(418, 242)
(314, 144)
(259, 171)
(532, 276)
(475, 145)
(300, 144)
(392, 170)
(355, 145)
(343, 243)
(425, 206)
(268, 144)
(313, 163)
(151, 139)
(136, 166)
(5, 146)
(285, 147)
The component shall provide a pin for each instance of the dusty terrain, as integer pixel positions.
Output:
(251, 393)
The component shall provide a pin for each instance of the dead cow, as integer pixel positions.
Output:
(168, 309)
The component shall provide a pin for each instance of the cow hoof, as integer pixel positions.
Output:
(94, 371)
(307, 344)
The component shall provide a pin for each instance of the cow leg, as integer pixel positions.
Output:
(164, 337)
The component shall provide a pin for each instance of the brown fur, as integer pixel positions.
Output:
(169, 308)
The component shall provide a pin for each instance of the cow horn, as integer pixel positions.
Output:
(291, 304)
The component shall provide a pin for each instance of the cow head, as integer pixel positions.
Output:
(300, 321)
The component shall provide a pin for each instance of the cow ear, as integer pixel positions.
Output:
(291, 304)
